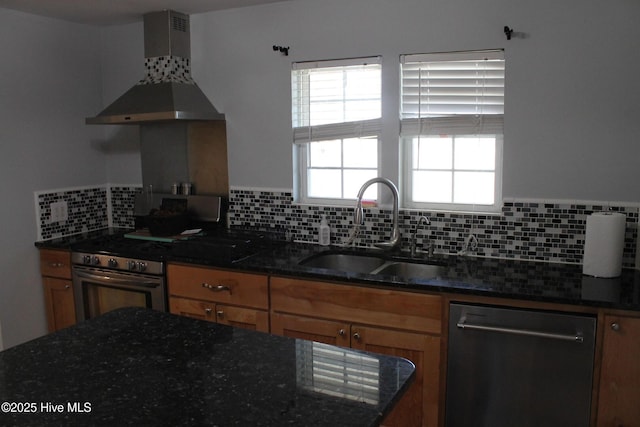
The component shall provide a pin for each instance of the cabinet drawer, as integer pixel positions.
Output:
(55, 263)
(382, 307)
(208, 284)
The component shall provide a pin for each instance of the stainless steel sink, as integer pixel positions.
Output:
(371, 264)
(411, 269)
(344, 262)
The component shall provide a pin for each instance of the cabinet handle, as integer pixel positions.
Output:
(208, 311)
(356, 336)
(56, 264)
(341, 332)
(220, 313)
(67, 286)
(615, 326)
(217, 288)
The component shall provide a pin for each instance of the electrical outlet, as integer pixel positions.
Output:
(59, 212)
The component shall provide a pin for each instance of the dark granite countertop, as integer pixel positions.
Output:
(489, 277)
(136, 366)
(65, 243)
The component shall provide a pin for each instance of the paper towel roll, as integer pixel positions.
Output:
(604, 243)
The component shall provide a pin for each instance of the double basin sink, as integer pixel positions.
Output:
(373, 264)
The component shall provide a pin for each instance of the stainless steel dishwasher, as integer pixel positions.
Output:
(516, 367)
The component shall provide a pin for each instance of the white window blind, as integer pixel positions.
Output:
(336, 99)
(453, 93)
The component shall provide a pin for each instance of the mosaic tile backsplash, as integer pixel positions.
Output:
(89, 208)
(161, 69)
(528, 230)
(86, 208)
(122, 204)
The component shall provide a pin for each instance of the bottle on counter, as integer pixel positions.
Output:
(324, 232)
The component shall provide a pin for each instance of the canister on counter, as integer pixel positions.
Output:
(175, 188)
(186, 188)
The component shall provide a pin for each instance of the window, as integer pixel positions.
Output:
(336, 110)
(451, 129)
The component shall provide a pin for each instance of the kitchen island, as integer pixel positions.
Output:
(142, 367)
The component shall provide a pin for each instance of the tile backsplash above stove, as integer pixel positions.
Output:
(548, 231)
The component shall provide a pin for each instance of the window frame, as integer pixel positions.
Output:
(455, 125)
(304, 135)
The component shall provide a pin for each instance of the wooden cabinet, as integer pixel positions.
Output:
(228, 297)
(619, 395)
(379, 320)
(55, 267)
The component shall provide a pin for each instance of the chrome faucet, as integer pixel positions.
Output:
(414, 238)
(358, 215)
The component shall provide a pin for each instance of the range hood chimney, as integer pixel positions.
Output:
(167, 93)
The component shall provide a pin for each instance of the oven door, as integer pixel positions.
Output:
(97, 291)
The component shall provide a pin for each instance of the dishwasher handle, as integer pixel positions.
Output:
(516, 331)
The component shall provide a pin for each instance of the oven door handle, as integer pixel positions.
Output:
(116, 280)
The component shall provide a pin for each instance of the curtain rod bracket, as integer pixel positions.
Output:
(282, 49)
(507, 31)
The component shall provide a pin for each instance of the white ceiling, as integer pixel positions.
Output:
(110, 12)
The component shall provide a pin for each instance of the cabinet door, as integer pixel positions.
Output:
(60, 306)
(619, 397)
(240, 317)
(192, 308)
(419, 405)
(325, 331)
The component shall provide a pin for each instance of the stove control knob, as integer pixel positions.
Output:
(142, 266)
(86, 259)
(112, 262)
(131, 265)
(95, 260)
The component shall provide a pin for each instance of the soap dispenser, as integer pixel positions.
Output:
(324, 233)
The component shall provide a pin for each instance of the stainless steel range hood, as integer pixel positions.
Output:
(167, 93)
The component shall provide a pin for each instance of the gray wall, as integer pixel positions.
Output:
(572, 92)
(572, 128)
(49, 80)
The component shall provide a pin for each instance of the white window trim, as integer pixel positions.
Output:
(407, 184)
(304, 135)
(457, 125)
